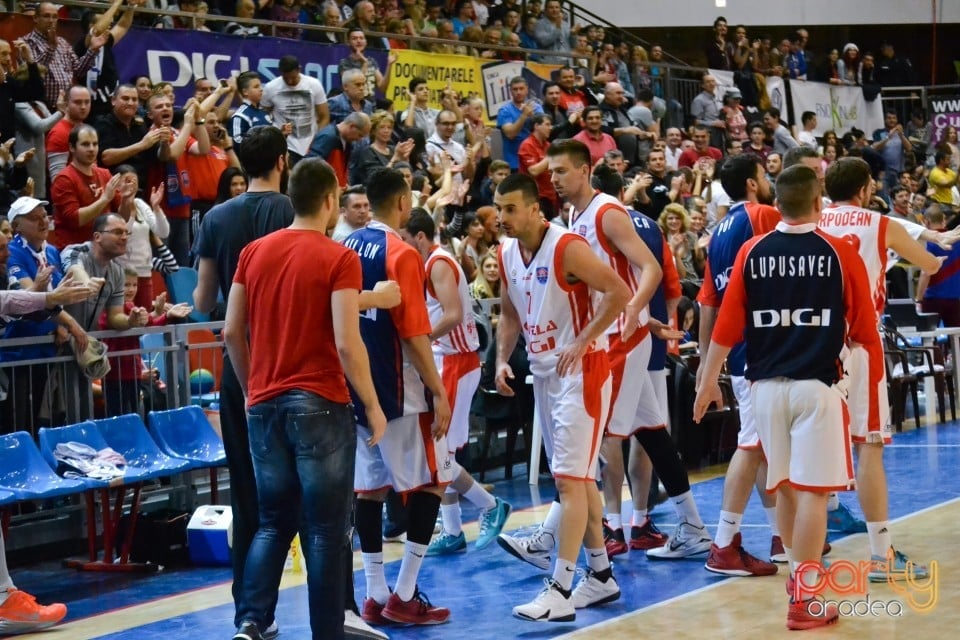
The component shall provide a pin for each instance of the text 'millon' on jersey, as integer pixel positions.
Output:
(795, 295)
(743, 221)
(552, 311)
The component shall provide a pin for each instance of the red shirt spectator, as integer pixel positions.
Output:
(533, 151)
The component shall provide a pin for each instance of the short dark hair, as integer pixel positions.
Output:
(419, 221)
(897, 190)
(288, 63)
(517, 80)
(550, 84)
(124, 169)
(846, 177)
(590, 108)
(414, 83)
(100, 222)
(245, 79)
(541, 118)
(523, 183)
(807, 116)
(735, 172)
(773, 112)
(382, 186)
(940, 155)
(355, 190)
(310, 183)
(756, 124)
(578, 152)
(644, 95)
(260, 149)
(607, 180)
(796, 154)
(76, 131)
(797, 189)
(121, 87)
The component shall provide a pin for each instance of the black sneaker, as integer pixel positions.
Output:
(248, 631)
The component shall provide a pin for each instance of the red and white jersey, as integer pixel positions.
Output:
(589, 224)
(463, 338)
(867, 232)
(552, 311)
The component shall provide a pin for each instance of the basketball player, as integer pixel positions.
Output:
(455, 344)
(563, 298)
(849, 185)
(412, 457)
(796, 297)
(745, 182)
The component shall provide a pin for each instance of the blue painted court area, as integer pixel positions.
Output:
(480, 588)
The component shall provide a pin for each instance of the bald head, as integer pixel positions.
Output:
(614, 94)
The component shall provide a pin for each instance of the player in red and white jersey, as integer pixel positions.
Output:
(455, 343)
(563, 298)
(849, 184)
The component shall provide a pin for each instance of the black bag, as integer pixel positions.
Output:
(160, 537)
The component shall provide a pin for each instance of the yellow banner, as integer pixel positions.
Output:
(460, 73)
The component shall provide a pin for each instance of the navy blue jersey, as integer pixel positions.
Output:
(652, 236)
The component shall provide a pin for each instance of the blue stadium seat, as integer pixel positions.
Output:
(24, 473)
(180, 286)
(186, 433)
(128, 436)
(88, 434)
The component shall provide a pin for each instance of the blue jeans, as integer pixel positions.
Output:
(303, 448)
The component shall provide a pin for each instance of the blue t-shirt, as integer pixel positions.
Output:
(945, 283)
(508, 114)
(24, 262)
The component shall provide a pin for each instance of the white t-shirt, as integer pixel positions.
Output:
(807, 139)
(295, 105)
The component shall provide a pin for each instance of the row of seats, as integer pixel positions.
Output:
(178, 440)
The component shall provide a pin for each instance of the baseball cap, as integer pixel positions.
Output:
(24, 205)
(850, 47)
(732, 92)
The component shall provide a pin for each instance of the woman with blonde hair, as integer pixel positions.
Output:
(675, 224)
(380, 153)
(486, 284)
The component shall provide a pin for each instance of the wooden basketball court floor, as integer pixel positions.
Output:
(665, 599)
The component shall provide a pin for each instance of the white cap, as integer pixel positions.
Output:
(849, 46)
(24, 205)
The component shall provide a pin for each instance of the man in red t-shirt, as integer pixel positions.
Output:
(701, 149)
(302, 429)
(82, 191)
(57, 145)
(533, 162)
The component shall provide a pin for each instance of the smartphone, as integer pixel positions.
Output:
(223, 83)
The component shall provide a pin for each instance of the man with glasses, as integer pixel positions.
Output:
(442, 142)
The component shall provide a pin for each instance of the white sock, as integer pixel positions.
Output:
(597, 558)
(479, 496)
(409, 569)
(376, 579)
(833, 502)
(880, 538)
(787, 551)
(686, 508)
(552, 522)
(563, 572)
(727, 528)
(615, 521)
(807, 578)
(772, 520)
(639, 517)
(452, 520)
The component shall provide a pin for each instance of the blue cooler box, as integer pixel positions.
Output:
(210, 535)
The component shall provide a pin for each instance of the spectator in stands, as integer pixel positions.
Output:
(830, 71)
(773, 165)
(125, 140)
(701, 148)
(464, 15)
(420, 114)
(758, 145)
(900, 203)
(299, 101)
(205, 170)
(553, 34)
(674, 148)
(56, 54)
(573, 99)
(705, 110)
(942, 179)
(442, 142)
(782, 140)
(170, 167)
(514, 121)
(618, 124)
(326, 14)
(102, 79)
(593, 135)
(233, 182)
(33, 265)
(354, 212)
(868, 77)
(894, 146)
(16, 87)
(245, 10)
(380, 153)
(144, 87)
(33, 122)
(719, 52)
(375, 80)
(335, 143)
(496, 173)
(689, 257)
(142, 220)
(486, 284)
(533, 161)
(352, 98)
(286, 11)
(364, 18)
(58, 146)
(733, 116)
(766, 59)
(796, 61)
(564, 124)
(82, 191)
(806, 137)
(893, 71)
(528, 34)
(249, 114)
(950, 143)
(649, 191)
(848, 66)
